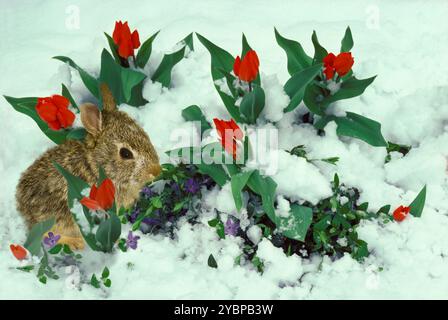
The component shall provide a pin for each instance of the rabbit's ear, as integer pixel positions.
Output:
(108, 98)
(91, 118)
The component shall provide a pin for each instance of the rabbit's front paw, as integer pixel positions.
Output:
(74, 243)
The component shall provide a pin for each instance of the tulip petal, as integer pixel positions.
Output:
(329, 73)
(90, 203)
(238, 134)
(18, 251)
(329, 60)
(60, 101)
(66, 117)
(93, 192)
(47, 111)
(135, 39)
(125, 49)
(106, 194)
(343, 63)
(117, 31)
(248, 70)
(236, 66)
(401, 213)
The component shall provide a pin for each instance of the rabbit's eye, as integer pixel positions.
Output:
(126, 153)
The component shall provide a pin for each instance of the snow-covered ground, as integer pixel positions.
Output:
(404, 42)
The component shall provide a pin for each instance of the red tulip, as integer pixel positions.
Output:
(228, 130)
(247, 68)
(101, 198)
(342, 64)
(329, 65)
(18, 251)
(236, 66)
(401, 213)
(125, 41)
(54, 111)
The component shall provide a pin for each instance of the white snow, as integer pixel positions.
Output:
(254, 234)
(283, 207)
(409, 97)
(276, 98)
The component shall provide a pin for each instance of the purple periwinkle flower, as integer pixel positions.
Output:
(51, 239)
(175, 187)
(191, 186)
(134, 214)
(231, 227)
(151, 221)
(147, 192)
(131, 241)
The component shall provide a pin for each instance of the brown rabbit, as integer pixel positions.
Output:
(114, 141)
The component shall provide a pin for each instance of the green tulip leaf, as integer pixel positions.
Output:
(357, 126)
(419, 203)
(296, 85)
(238, 182)
(145, 50)
(252, 104)
(297, 57)
(347, 41)
(163, 71)
(89, 81)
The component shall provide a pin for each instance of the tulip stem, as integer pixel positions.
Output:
(250, 86)
(135, 61)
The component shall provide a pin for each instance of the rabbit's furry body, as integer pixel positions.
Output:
(42, 190)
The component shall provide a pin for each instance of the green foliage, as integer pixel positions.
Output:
(195, 155)
(308, 84)
(300, 151)
(145, 50)
(222, 62)
(347, 41)
(335, 219)
(297, 58)
(238, 182)
(89, 81)
(296, 225)
(194, 113)
(357, 126)
(188, 42)
(104, 280)
(108, 229)
(75, 184)
(419, 203)
(296, 85)
(265, 187)
(220, 58)
(212, 262)
(121, 81)
(45, 271)
(33, 242)
(108, 232)
(66, 93)
(319, 51)
(258, 264)
(163, 71)
(114, 49)
(28, 106)
(252, 105)
(219, 226)
(393, 147)
(76, 134)
(158, 212)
